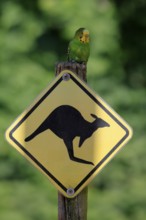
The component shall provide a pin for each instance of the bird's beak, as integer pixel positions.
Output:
(85, 37)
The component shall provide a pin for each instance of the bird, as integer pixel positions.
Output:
(79, 47)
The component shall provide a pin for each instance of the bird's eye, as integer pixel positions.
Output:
(80, 38)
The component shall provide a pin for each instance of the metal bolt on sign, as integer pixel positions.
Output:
(66, 77)
(70, 191)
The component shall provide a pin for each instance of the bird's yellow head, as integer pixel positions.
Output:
(82, 34)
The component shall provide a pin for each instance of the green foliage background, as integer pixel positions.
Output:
(34, 35)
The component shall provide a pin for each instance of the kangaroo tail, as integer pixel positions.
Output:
(30, 137)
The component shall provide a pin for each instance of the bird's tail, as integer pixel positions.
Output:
(68, 55)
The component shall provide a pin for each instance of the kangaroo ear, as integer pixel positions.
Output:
(94, 116)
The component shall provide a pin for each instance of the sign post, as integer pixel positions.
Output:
(75, 208)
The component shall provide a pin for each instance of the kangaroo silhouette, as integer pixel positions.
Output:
(67, 123)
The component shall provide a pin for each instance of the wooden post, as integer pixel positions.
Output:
(75, 208)
(77, 68)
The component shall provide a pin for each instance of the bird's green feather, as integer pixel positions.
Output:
(78, 51)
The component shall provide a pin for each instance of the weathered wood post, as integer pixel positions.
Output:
(75, 208)
(78, 69)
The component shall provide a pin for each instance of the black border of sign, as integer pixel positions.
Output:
(38, 163)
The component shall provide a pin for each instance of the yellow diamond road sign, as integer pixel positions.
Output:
(69, 133)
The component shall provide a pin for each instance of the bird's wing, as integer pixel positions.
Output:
(73, 49)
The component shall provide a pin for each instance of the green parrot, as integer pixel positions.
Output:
(79, 48)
